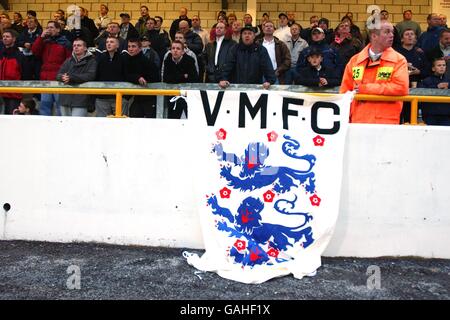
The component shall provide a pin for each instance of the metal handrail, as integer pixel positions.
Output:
(119, 92)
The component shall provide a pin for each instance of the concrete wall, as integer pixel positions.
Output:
(168, 9)
(130, 181)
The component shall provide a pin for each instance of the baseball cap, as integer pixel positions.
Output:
(314, 52)
(282, 14)
(125, 15)
(317, 29)
(250, 28)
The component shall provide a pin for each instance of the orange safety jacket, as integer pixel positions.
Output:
(387, 76)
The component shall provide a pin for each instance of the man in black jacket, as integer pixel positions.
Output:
(110, 67)
(216, 54)
(140, 70)
(248, 63)
(178, 68)
(175, 23)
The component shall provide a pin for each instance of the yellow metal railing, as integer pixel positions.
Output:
(119, 92)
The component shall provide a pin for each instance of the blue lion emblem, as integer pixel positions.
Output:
(254, 174)
(258, 241)
(248, 224)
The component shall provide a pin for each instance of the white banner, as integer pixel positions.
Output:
(272, 168)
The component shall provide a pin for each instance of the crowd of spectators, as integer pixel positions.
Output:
(233, 51)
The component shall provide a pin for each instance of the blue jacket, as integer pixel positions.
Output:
(248, 65)
(26, 37)
(309, 76)
(331, 58)
(418, 60)
(429, 39)
(429, 108)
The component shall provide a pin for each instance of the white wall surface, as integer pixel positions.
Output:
(131, 181)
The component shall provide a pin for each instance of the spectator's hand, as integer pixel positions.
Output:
(414, 71)
(45, 33)
(356, 87)
(323, 82)
(65, 78)
(443, 85)
(27, 45)
(142, 81)
(419, 50)
(223, 84)
(266, 85)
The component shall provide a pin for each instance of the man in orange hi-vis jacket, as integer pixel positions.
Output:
(380, 70)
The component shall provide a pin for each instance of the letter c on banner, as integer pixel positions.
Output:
(315, 110)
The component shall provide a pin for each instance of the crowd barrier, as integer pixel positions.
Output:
(162, 89)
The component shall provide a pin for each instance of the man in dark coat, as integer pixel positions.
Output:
(216, 54)
(178, 68)
(248, 63)
(140, 70)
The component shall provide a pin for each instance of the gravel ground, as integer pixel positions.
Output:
(39, 270)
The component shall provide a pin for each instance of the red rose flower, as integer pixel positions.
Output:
(273, 252)
(319, 141)
(225, 193)
(268, 196)
(221, 134)
(272, 136)
(240, 244)
(315, 200)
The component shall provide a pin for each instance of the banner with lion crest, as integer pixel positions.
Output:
(270, 186)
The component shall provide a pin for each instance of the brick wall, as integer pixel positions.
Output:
(168, 9)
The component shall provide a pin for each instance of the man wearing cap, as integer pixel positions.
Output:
(377, 69)
(331, 57)
(127, 30)
(316, 74)
(283, 33)
(248, 63)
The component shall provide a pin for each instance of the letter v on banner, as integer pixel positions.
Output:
(211, 116)
(269, 188)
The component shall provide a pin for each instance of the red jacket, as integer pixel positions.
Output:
(388, 76)
(11, 65)
(53, 52)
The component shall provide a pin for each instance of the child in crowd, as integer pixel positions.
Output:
(26, 107)
(316, 74)
(437, 114)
